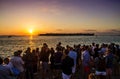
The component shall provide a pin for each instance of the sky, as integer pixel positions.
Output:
(18, 17)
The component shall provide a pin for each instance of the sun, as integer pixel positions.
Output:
(31, 31)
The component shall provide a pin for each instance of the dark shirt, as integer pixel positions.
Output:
(44, 55)
(58, 57)
(109, 61)
(29, 59)
(96, 52)
(100, 63)
(67, 65)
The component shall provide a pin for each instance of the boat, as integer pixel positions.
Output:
(9, 36)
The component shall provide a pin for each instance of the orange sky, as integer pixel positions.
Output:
(59, 16)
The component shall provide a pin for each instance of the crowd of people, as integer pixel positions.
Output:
(94, 61)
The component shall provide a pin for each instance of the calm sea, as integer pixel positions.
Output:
(9, 45)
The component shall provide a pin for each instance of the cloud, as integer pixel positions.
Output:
(114, 30)
(90, 30)
(59, 29)
(110, 32)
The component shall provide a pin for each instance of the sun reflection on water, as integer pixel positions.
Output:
(31, 43)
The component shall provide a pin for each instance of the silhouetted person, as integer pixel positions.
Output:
(109, 63)
(67, 65)
(29, 63)
(44, 57)
(34, 54)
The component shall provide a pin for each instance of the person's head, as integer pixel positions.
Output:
(78, 46)
(37, 49)
(67, 46)
(103, 45)
(93, 44)
(33, 51)
(112, 44)
(1, 61)
(52, 50)
(86, 47)
(97, 45)
(59, 43)
(28, 48)
(45, 45)
(16, 53)
(19, 52)
(6, 60)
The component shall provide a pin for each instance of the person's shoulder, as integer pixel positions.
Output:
(70, 58)
(4, 67)
(18, 58)
(12, 57)
(7, 67)
(1, 67)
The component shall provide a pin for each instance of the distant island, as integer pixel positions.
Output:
(67, 34)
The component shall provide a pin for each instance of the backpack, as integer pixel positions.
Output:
(101, 64)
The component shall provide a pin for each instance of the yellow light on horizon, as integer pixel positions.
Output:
(31, 31)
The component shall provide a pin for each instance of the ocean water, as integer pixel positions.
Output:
(9, 45)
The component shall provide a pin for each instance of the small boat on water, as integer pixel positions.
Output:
(9, 36)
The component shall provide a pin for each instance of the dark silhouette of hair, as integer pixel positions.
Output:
(6, 60)
(1, 61)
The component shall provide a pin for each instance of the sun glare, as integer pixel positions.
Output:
(31, 31)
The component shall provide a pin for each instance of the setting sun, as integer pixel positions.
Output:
(31, 31)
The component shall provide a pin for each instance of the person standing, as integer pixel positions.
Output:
(100, 65)
(29, 61)
(67, 64)
(86, 61)
(44, 57)
(38, 58)
(109, 63)
(18, 63)
(35, 61)
(73, 55)
(5, 72)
